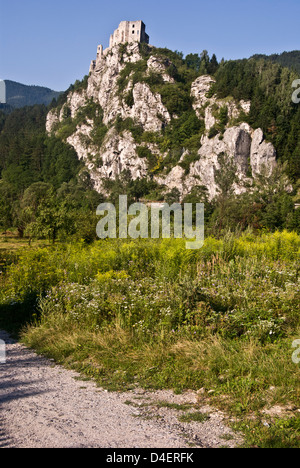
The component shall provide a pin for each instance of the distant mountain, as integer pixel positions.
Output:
(286, 59)
(20, 95)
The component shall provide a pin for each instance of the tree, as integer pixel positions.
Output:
(51, 216)
(173, 196)
(204, 65)
(6, 206)
(42, 214)
(213, 65)
(225, 177)
(32, 198)
(199, 194)
(193, 61)
(267, 204)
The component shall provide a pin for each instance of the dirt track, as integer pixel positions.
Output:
(43, 405)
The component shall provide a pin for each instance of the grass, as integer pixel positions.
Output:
(194, 417)
(161, 404)
(151, 313)
(10, 242)
(174, 406)
(277, 433)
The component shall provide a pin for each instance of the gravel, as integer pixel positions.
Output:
(43, 405)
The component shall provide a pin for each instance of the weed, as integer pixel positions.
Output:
(194, 417)
(150, 313)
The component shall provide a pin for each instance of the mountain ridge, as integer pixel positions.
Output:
(20, 95)
(289, 59)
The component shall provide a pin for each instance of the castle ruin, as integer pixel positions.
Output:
(128, 31)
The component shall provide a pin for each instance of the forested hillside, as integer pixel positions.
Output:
(20, 95)
(286, 59)
(269, 87)
(45, 191)
(39, 187)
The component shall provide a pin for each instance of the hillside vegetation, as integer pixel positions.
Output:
(150, 313)
(221, 320)
(286, 59)
(44, 171)
(19, 95)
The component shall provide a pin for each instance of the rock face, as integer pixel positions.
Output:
(113, 94)
(148, 109)
(159, 65)
(118, 155)
(240, 146)
(212, 105)
(263, 155)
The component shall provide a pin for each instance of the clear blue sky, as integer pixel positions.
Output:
(51, 43)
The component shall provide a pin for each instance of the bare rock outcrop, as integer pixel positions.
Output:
(262, 155)
(148, 109)
(211, 105)
(240, 146)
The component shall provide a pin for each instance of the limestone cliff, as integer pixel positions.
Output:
(118, 118)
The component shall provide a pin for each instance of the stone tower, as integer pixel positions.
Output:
(129, 31)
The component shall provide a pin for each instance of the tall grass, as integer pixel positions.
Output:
(155, 314)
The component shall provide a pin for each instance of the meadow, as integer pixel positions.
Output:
(150, 313)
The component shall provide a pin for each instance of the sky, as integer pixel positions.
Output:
(51, 43)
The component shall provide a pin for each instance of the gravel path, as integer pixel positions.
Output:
(43, 405)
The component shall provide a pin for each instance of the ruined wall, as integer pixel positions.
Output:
(129, 31)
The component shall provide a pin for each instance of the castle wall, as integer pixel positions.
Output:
(128, 31)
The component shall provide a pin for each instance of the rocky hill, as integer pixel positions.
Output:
(140, 112)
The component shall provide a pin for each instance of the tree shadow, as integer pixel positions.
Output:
(15, 316)
(13, 387)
